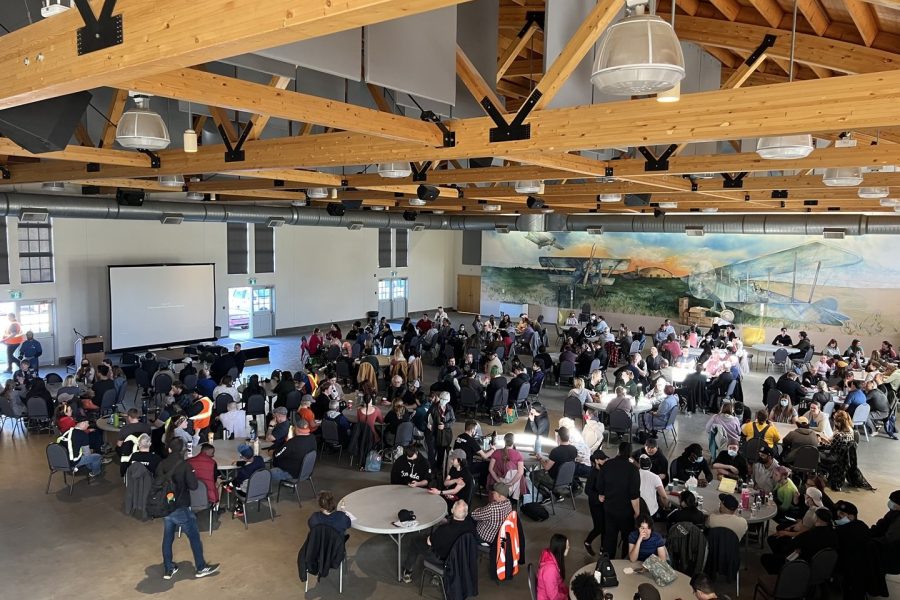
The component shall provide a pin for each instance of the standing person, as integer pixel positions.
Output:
(441, 419)
(31, 351)
(598, 459)
(551, 575)
(619, 485)
(183, 481)
(12, 337)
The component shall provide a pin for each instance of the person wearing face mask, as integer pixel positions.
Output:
(805, 545)
(888, 526)
(784, 411)
(764, 470)
(692, 463)
(854, 537)
(730, 462)
(782, 537)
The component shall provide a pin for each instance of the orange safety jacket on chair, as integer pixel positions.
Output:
(508, 547)
(201, 420)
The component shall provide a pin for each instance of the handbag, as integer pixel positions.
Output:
(605, 573)
(660, 571)
(373, 462)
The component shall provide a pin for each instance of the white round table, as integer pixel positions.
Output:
(628, 583)
(769, 349)
(375, 509)
(227, 454)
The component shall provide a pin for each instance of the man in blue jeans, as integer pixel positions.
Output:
(183, 481)
(77, 443)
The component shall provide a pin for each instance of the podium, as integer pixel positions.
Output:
(91, 348)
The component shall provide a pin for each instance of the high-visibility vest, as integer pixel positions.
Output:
(14, 334)
(510, 529)
(67, 439)
(201, 420)
(134, 447)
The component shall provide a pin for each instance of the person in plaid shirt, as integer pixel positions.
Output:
(489, 518)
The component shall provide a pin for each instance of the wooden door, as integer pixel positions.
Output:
(468, 293)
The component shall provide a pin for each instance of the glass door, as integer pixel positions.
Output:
(385, 305)
(399, 298)
(263, 314)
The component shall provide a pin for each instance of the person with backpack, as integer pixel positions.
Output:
(761, 429)
(171, 494)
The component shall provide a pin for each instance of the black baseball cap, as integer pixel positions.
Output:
(728, 501)
(848, 508)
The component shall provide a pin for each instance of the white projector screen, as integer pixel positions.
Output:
(161, 305)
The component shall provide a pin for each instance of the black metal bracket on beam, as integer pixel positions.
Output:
(779, 194)
(279, 183)
(449, 136)
(733, 182)
(657, 163)
(768, 42)
(90, 190)
(154, 158)
(93, 167)
(532, 17)
(235, 152)
(100, 32)
(5, 172)
(420, 174)
(608, 172)
(516, 129)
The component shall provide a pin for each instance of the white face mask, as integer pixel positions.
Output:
(842, 521)
(892, 505)
(784, 402)
(732, 453)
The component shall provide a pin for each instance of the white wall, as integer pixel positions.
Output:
(321, 273)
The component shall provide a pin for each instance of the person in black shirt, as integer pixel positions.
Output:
(691, 462)
(598, 459)
(436, 547)
(411, 469)
(730, 462)
(658, 461)
(687, 511)
(854, 538)
(458, 485)
(287, 462)
(143, 455)
(476, 458)
(183, 481)
(783, 339)
(790, 386)
(619, 486)
(280, 429)
(805, 545)
(520, 377)
(563, 453)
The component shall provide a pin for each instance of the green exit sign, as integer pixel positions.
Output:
(15, 294)
(251, 281)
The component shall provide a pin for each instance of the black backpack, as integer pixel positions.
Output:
(161, 499)
(607, 572)
(535, 511)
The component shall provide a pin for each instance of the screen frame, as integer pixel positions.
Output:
(171, 344)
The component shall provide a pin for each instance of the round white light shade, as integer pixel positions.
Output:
(785, 147)
(195, 196)
(142, 129)
(175, 181)
(394, 170)
(50, 8)
(491, 207)
(668, 205)
(609, 197)
(53, 186)
(530, 186)
(709, 209)
(417, 202)
(873, 193)
(639, 55)
(888, 202)
(843, 177)
(318, 193)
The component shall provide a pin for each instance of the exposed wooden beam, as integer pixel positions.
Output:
(688, 6)
(377, 93)
(82, 135)
(314, 178)
(163, 35)
(821, 72)
(840, 56)
(728, 8)
(74, 153)
(260, 120)
(770, 11)
(221, 119)
(723, 55)
(513, 50)
(113, 114)
(152, 185)
(815, 15)
(864, 18)
(228, 92)
(474, 82)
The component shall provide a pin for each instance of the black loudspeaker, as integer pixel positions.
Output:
(335, 209)
(44, 126)
(427, 193)
(352, 204)
(409, 215)
(533, 202)
(637, 199)
(127, 197)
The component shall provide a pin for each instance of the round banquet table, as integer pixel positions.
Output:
(767, 349)
(375, 508)
(227, 454)
(710, 495)
(628, 584)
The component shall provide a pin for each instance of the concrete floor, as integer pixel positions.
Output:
(83, 546)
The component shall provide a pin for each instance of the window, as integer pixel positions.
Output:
(238, 248)
(384, 248)
(36, 317)
(262, 299)
(400, 247)
(384, 289)
(264, 248)
(4, 253)
(399, 289)
(35, 253)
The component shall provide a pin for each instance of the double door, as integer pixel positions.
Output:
(393, 295)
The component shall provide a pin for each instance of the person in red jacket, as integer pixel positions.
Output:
(204, 465)
(551, 575)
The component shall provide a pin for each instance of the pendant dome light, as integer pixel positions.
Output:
(532, 186)
(888, 202)
(317, 193)
(609, 198)
(843, 177)
(53, 186)
(173, 181)
(873, 193)
(786, 147)
(50, 8)
(142, 129)
(639, 55)
(189, 138)
(394, 170)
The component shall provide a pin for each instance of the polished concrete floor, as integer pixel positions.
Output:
(83, 546)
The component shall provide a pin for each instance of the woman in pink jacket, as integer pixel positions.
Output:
(551, 575)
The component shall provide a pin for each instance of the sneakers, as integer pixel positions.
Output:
(106, 460)
(93, 475)
(170, 573)
(207, 570)
(407, 576)
(228, 488)
(238, 514)
(590, 550)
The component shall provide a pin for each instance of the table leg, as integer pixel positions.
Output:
(399, 541)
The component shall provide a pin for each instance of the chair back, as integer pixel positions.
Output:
(572, 408)
(808, 356)
(256, 405)
(619, 421)
(190, 381)
(806, 458)
(821, 566)
(58, 458)
(328, 537)
(751, 448)
(333, 353)
(222, 401)
(259, 485)
(108, 401)
(532, 581)
(6, 409)
(199, 498)
(468, 398)
(670, 419)
(860, 415)
(772, 398)
(522, 396)
(52, 378)
(404, 436)
(342, 369)
(37, 408)
(501, 399)
(162, 384)
(330, 433)
(793, 580)
(566, 369)
(723, 543)
(731, 386)
(828, 409)
(635, 347)
(292, 401)
(355, 350)
(501, 353)
(120, 393)
(309, 464)
(780, 357)
(565, 475)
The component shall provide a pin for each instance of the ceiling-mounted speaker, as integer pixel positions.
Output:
(533, 202)
(409, 215)
(46, 125)
(126, 197)
(335, 209)
(427, 192)
(352, 204)
(637, 199)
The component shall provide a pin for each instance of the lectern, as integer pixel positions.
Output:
(89, 347)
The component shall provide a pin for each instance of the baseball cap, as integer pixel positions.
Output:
(645, 462)
(846, 507)
(245, 450)
(405, 515)
(458, 454)
(566, 422)
(824, 515)
(502, 489)
(766, 449)
(599, 455)
(802, 421)
(728, 501)
(280, 411)
(815, 495)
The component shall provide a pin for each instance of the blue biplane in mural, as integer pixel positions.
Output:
(746, 285)
(580, 271)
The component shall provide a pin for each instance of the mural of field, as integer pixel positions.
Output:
(850, 286)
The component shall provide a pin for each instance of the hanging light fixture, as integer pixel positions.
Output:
(318, 193)
(491, 207)
(873, 193)
(141, 128)
(786, 147)
(668, 205)
(531, 186)
(709, 209)
(190, 136)
(888, 202)
(195, 196)
(843, 177)
(53, 186)
(671, 95)
(639, 55)
(174, 181)
(50, 8)
(394, 170)
(417, 202)
(609, 198)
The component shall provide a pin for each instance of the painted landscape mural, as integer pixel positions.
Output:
(851, 286)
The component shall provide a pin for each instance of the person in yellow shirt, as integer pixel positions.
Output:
(761, 428)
